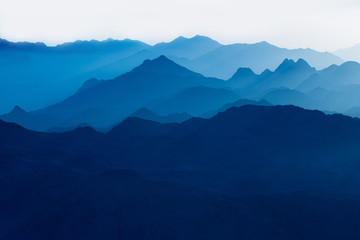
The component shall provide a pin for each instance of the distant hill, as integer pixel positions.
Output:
(145, 113)
(334, 89)
(225, 60)
(349, 54)
(285, 96)
(333, 77)
(29, 120)
(196, 100)
(188, 48)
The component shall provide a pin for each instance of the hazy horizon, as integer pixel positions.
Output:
(170, 40)
(323, 25)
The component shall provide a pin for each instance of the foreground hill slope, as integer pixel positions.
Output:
(274, 172)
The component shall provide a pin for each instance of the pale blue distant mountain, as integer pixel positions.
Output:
(34, 75)
(188, 48)
(349, 54)
(225, 60)
(336, 88)
(37, 75)
(333, 77)
(181, 50)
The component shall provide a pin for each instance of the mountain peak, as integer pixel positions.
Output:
(303, 63)
(244, 72)
(291, 64)
(201, 37)
(161, 60)
(242, 78)
(179, 39)
(286, 63)
(263, 43)
(164, 66)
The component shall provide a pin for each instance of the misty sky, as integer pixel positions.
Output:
(319, 24)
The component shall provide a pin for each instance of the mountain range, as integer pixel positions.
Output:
(166, 88)
(33, 75)
(279, 172)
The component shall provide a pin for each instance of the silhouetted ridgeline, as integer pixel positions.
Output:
(273, 172)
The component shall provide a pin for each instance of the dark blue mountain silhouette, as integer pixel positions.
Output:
(249, 172)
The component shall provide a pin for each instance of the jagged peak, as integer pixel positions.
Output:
(163, 65)
(287, 63)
